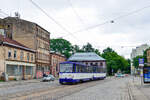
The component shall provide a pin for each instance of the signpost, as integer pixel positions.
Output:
(141, 65)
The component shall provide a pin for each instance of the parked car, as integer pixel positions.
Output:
(119, 75)
(48, 78)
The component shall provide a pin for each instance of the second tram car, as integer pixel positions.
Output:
(73, 72)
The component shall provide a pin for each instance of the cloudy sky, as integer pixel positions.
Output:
(82, 21)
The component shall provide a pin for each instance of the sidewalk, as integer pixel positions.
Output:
(135, 91)
(20, 82)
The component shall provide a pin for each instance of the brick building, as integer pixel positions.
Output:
(16, 60)
(89, 58)
(32, 36)
(55, 59)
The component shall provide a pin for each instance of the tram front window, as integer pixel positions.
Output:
(65, 68)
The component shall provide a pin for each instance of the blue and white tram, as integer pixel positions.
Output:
(73, 72)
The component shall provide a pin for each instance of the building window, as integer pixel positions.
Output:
(96, 64)
(15, 54)
(86, 63)
(28, 70)
(31, 57)
(28, 56)
(101, 64)
(9, 54)
(91, 64)
(21, 55)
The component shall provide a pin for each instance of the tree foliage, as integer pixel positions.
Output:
(136, 61)
(145, 55)
(114, 61)
(88, 48)
(62, 46)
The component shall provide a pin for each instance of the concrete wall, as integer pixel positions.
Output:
(2, 53)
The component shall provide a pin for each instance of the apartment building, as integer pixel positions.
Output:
(32, 36)
(138, 51)
(55, 59)
(16, 60)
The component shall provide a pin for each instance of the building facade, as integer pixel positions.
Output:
(32, 36)
(16, 60)
(55, 59)
(90, 59)
(148, 57)
(138, 51)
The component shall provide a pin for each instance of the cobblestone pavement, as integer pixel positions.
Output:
(11, 89)
(112, 90)
(108, 89)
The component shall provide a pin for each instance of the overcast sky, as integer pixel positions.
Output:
(124, 34)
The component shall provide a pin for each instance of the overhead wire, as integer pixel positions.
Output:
(50, 17)
(75, 12)
(3, 13)
(110, 21)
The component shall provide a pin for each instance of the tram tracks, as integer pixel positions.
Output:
(58, 92)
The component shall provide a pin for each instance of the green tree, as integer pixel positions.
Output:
(136, 61)
(97, 52)
(62, 46)
(145, 55)
(76, 48)
(88, 48)
(128, 68)
(114, 61)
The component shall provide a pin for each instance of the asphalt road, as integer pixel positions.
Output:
(108, 89)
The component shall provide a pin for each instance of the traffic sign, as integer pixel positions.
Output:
(141, 60)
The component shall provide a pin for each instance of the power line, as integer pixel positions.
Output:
(50, 17)
(110, 21)
(75, 12)
(78, 16)
(3, 13)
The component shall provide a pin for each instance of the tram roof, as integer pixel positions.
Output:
(88, 56)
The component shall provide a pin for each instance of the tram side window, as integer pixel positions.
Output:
(87, 69)
(80, 69)
(83, 69)
(77, 68)
(90, 69)
(94, 69)
(74, 68)
(98, 69)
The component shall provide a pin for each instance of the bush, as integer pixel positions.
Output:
(1, 80)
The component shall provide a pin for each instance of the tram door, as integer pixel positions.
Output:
(146, 74)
